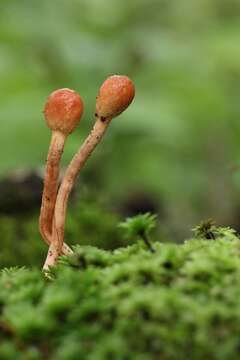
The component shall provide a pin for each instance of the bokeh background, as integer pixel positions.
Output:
(175, 151)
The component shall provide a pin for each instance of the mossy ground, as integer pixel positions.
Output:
(88, 222)
(180, 302)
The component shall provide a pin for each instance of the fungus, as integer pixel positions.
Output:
(115, 95)
(63, 110)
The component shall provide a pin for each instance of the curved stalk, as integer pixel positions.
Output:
(66, 187)
(50, 188)
(115, 95)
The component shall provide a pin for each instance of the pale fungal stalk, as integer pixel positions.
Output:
(115, 95)
(50, 187)
(62, 111)
(66, 187)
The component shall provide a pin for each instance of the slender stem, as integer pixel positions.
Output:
(147, 242)
(50, 187)
(65, 189)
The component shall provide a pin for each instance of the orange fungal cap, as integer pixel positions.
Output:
(63, 110)
(115, 95)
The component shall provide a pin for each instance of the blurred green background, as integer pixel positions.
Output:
(176, 150)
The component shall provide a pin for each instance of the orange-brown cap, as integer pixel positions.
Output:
(115, 95)
(63, 110)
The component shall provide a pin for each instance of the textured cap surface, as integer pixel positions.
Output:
(115, 95)
(63, 110)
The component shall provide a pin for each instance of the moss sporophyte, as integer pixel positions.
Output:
(63, 112)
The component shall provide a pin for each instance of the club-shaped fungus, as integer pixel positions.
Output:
(63, 111)
(115, 95)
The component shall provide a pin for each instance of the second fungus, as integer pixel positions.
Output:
(115, 95)
(63, 110)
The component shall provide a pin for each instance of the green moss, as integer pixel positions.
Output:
(180, 302)
(88, 222)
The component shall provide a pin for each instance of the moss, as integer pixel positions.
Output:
(89, 222)
(182, 301)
